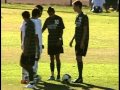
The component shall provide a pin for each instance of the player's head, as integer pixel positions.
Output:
(26, 15)
(36, 13)
(77, 6)
(39, 7)
(51, 11)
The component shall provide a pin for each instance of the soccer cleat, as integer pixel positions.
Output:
(51, 78)
(79, 80)
(24, 81)
(58, 78)
(31, 86)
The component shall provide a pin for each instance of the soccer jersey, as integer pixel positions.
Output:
(29, 39)
(98, 3)
(54, 25)
(38, 31)
(81, 21)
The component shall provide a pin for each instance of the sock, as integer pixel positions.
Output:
(80, 68)
(35, 67)
(52, 67)
(25, 74)
(58, 67)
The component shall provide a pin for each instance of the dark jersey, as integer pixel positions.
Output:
(81, 21)
(29, 40)
(55, 25)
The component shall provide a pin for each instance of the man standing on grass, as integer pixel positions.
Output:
(27, 59)
(36, 13)
(55, 26)
(81, 37)
(38, 26)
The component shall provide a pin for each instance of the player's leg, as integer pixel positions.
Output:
(25, 77)
(58, 64)
(37, 56)
(80, 69)
(52, 67)
(24, 72)
(29, 68)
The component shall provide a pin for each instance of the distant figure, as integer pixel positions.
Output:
(97, 6)
(27, 58)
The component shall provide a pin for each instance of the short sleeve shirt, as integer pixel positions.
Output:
(54, 25)
(80, 22)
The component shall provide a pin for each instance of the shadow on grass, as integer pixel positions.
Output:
(50, 86)
(84, 86)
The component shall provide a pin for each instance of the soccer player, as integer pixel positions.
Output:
(38, 25)
(81, 37)
(36, 13)
(27, 59)
(55, 26)
(25, 75)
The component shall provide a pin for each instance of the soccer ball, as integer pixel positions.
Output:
(66, 78)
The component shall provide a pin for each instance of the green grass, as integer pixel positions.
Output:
(100, 65)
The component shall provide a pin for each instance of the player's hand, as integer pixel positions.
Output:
(42, 46)
(70, 44)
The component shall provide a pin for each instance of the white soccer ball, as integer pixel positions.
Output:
(66, 78)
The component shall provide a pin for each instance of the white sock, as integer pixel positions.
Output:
(24, 74)
(35, 67)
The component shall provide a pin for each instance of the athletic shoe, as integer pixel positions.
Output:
(58, 78)
(24, 81)
(51, 78)
(31, 85)
(79, 80)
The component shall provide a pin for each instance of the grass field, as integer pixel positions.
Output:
(100, 65)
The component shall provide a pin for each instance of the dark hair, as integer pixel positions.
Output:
(35, 12)
(51, 9)
(26, 14)
(77, 3)
(39, 7)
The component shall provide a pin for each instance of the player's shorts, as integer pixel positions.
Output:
(79, 51)
(53, 50)
(27, 60)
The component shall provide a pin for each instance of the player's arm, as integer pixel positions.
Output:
(85, 32)
(44, 26)
(61, 28)
(72, 41)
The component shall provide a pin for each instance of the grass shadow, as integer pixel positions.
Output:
(86, 86)
(51, 86)
(71, 86)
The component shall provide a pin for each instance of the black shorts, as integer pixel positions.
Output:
(53, 50)
(27, 60)
(79, 51)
